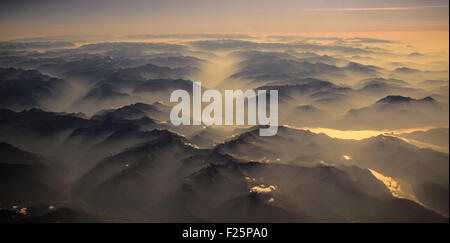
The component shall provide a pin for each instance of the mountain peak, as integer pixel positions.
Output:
(428, 99)
(395, 99)
(392, 99)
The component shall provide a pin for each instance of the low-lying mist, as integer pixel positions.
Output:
(85, 131)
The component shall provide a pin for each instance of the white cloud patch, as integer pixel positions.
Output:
(262, 189)
(391, 184)
(23, 211)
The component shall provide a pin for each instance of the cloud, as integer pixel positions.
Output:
(189, 36)
(391, 184)
(231, 44)
(376, 9)
(368, 40)
(8, 45)
(262, 189)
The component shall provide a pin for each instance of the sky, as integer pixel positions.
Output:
(382, 18)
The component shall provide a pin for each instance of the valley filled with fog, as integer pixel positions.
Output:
(85, 131)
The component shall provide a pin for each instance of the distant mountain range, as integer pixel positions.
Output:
(85, 131)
